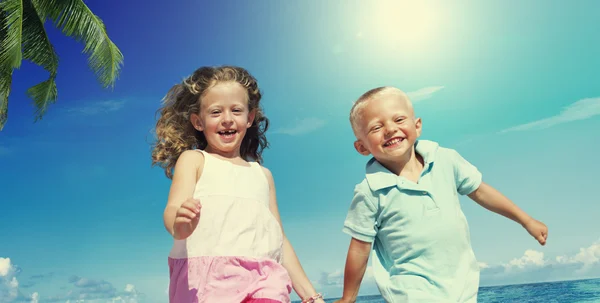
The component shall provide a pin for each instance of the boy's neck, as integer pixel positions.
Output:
(410, 165)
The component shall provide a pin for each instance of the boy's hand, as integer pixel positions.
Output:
(538, 230)
(342, 300)
(186, 218)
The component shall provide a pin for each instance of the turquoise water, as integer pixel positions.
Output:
(587, 291)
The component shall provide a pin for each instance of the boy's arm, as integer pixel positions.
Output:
(356, 265)
(491, 199)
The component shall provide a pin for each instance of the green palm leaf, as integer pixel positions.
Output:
(5, 73)
(10, 45)
(5, 81)
(75, 19)
(36, 45)
(43, 94)
(38, 49)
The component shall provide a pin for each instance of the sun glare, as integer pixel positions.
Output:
(400, 24)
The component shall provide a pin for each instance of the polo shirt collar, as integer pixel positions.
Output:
(379, 177)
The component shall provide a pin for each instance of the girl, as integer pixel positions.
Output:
(222, 210)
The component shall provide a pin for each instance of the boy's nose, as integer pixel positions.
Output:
(390, 130)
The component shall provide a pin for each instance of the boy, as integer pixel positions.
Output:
(408, 207)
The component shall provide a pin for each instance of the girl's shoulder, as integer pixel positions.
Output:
(267, 173)
(191, 160)
(192, 156)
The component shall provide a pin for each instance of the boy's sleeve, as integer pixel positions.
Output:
(361, 219)
(467, 176)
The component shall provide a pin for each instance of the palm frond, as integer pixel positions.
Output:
(12, 23)
(75, 19)
(36, 45)
(43, 94)
(5, 82)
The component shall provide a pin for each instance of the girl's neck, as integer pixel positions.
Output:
(233, 156)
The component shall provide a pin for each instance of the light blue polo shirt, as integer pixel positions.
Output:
(422, 247)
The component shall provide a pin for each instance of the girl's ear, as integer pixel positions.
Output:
(251, 116)
(196, 122)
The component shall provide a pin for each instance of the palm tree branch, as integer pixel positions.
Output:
(12, 24)
(43, 94)
(36, 45)
(75, 19)
(5, 82)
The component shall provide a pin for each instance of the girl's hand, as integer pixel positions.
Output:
(186, 219)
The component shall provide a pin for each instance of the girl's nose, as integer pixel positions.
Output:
(227, 118)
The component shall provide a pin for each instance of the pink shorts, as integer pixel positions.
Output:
(228, 279)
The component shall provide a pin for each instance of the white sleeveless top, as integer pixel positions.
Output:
(235, 219)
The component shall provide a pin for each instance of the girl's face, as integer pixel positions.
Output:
(224, 118)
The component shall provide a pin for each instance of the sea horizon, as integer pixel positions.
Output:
(571, 291)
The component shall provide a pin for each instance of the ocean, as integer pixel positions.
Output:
(587, 291)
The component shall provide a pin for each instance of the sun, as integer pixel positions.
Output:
(400, 24)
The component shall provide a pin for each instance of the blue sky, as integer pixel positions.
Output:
(512, 87)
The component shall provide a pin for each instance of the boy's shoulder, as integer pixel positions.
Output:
(440, 153)
(363, 187)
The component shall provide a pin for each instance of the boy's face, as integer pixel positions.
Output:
(387, 127)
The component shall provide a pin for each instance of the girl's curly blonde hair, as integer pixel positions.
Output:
(174, 131)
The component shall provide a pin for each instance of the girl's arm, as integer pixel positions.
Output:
(187, 170)
(300, 281)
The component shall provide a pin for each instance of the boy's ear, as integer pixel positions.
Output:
(251, 116)
(360, 148)
(418, 126)
(196, 122)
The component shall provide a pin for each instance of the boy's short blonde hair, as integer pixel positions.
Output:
(361, 103)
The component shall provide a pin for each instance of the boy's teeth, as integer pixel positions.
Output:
(392, 142)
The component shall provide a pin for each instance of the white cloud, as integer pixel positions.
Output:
(9, 285)
(4, 266)
(588, 257)
(129, 288)
(533, 266)
(424, 93)
(530, 258)
(580, 110)
(98, 107)
(82, 289)
(302, 126)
